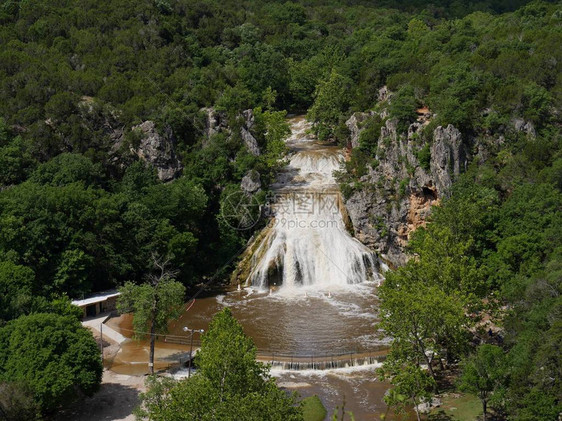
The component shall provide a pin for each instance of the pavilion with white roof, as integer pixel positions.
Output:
(100, 302)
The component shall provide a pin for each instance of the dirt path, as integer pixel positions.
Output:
(116, 400)
(118, 395)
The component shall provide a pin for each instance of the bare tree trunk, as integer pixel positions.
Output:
(152, 343)
(153, 329)
(161, 265)
(484, 407)
(416, 409)
(428, 361)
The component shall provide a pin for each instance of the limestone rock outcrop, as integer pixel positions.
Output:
(158, 149)
(153, 145)
(411, 173)
(217, 122)
(354, 126)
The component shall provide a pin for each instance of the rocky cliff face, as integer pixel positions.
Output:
(408, 176)
(217, 122)
(145, 141)
(158, 149)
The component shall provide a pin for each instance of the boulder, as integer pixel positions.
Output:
(251, 182)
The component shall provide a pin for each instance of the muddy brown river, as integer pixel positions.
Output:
(310, 324)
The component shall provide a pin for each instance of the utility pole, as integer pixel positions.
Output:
(186, 329)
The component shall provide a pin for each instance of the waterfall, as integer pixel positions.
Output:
(306, 242)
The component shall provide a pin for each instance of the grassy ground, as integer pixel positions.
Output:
(458, 407)
(313, 410)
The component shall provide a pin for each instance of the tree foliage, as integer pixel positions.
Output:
(52, 356)
(229, 383)
(331, 98)
(484, 374)
(153, 303)
(425, 323)
(79, 213)
(412, 386)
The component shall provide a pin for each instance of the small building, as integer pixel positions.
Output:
(101, 302)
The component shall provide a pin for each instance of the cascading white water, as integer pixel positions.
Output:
(307, 242)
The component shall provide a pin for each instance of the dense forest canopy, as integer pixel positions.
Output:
(74, 73)
(80, 213)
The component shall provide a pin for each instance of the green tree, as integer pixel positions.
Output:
(534, 335)
(484, 374)
(51, 355)
(68, 168)
(425, 324)
(229, 383)
(444, 261)
(330, 100)
(153, 303)
(412, 385)
(16, 284)
(537, 103)
(304, 76)
(16, 162)
(403, 107)
(454, 94)
(275, 129)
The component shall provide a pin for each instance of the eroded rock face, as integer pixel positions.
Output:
(217, 122)
(214, 123)
(526, 127)
(397, 195)
(354, 127)
(158, 150)
(448, 157)
(247, 136)
(384, 94)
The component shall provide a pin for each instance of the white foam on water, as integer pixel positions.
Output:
(182, 373)
(342, 371)
(300, 132)
(221, 300)
(341, 297)
(293, 385)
